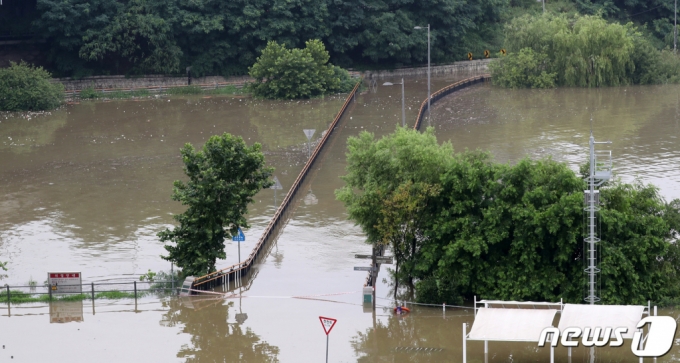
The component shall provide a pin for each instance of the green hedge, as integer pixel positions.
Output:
(27, 88)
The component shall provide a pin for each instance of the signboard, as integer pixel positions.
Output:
(384, 259)
(66, 311)
(65, 282)
(363, 256)
(240, 237)
(327, 323)
(470, 56)
(487, 54)
(503, 52)
(309, 133)
(362, 268)
(277, 184)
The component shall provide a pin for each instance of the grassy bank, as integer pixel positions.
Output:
(20, 297)
(91, 93)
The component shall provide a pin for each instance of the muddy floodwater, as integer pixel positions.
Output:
(87, 187)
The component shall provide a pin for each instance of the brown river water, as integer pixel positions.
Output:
(87, 187)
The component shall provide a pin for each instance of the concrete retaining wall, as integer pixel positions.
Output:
(121, 82)
(480, 65)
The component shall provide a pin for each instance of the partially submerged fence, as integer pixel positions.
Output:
(447, 91)
(92, 290)
(233, 274)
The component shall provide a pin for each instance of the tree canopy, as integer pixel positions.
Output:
(282, 73)
(461, 224)
(223, 178)
(225, 37)
(582, 51)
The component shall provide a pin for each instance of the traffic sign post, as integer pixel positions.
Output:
(365, 268)
(239, 237)
(327, 324)
(309, 133)
(277, 186)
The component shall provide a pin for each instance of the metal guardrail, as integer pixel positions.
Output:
(91, 289)
(234, 272)
(160, 89)
(447, 91)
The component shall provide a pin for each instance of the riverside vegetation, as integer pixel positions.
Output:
(27, 88)
(549, 50)
(460, 224)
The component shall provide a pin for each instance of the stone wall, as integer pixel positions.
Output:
(122, 82)
(457, 67)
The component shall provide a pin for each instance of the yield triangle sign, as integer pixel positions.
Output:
(328, 324)
(309, 133)
(277, 184)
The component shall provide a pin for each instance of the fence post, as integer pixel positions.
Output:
(49, 291)
(8, 297)
(92, 290)
(135, 291)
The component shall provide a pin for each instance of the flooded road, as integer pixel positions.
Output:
(111, 180)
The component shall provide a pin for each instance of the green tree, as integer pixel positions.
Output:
(525, 69)
(388, 189)
(223, 178)
(462, 225)
(27, 88)
(282, 73)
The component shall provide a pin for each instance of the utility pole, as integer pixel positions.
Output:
(675, 29)
(403, 113)
(543, 6)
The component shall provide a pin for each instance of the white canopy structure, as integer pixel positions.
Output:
(523, 321)
(592, 316)
(511, 325)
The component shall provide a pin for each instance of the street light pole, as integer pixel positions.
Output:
(428, 72)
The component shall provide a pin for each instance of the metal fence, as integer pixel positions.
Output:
(92, 290)
(160, 89)
(447, 91)
(232, 276)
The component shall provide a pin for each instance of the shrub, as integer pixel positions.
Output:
(27, 88)
(282, 73)
(526, 69)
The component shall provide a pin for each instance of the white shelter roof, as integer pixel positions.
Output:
(602, 316)
(511, 325)
(522, 304)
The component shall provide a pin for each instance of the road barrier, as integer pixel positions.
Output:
(447, 91)
(232, 276)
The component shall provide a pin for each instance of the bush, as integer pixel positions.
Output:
(282, 73)
(525, 69)
(27, 88)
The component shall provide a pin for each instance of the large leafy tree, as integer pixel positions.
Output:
(223, 178)
(282, 73)
(462, 225)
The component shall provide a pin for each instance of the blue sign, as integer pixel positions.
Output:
(240, 237)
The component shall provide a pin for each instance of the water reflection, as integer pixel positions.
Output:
(215, 337)
(66, 311)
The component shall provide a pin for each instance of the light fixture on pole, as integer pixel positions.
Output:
(428, 70)
(403, 112)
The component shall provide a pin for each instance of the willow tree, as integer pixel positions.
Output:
(223, 178)
(583, 51)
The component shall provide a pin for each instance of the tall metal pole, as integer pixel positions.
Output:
(591, 219)
(543, 6)
(429, 115)
(403, 113)
(675, 29)
(326, 348)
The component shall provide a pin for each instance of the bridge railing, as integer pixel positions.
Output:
(447, 91)
(235, 272)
